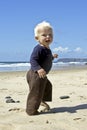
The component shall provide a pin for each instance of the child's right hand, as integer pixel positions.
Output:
(42, 73)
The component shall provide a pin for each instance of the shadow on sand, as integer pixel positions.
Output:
(67, 109)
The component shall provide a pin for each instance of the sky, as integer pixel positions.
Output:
(18, 19)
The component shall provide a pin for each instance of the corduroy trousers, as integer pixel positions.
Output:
(40, 89)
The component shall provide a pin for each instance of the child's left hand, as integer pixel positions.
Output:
(55, 55)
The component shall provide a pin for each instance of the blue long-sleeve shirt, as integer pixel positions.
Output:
(41, 57)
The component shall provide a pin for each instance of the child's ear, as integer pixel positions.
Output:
(36, 38)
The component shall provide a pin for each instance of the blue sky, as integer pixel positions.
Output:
(19, 17)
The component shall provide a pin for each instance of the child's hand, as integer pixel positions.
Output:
(55, 55)
(42, 73)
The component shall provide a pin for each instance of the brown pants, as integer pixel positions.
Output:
(40, 89)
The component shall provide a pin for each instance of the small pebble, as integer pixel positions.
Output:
(77, 118)
(10, 101)
(17, 101)
(7, 97)
(64, 97)
(47, 121)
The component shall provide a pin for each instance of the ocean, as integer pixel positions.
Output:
(58, 64)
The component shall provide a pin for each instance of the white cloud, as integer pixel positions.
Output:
(61, 49)
(78, 49)
(77, 52)
(66, 49)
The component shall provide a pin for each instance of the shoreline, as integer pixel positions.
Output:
(65, 68)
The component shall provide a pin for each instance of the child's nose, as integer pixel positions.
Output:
(47, 36)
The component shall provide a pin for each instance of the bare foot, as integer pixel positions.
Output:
(47, 108)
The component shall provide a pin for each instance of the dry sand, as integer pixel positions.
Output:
(65, 114)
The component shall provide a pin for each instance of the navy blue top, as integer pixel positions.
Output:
(41, 57)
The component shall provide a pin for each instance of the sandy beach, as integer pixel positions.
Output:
(65, 114)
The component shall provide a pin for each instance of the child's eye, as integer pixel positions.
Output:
(50, 35)
(44, 35)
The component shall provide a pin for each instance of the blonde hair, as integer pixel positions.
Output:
(41, 25)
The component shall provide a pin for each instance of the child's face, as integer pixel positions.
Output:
(45, 36)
